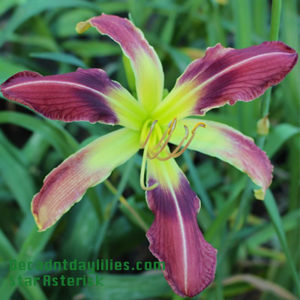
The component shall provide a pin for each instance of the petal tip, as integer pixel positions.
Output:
(41, 227)
(83, 26)
(259, 194)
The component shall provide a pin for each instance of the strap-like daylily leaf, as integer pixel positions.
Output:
(228, 144)
(175, 237)
(226, 75)
(66, 184)
(144, 60)
(84, 95)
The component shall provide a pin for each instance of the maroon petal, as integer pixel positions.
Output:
(175, 237)
(226, 75)
(231, 146)
(84, 95)
(66, 184)
(143, 58)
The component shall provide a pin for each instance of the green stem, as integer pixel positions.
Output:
(269, 202)
(272, 209)
(275, 19)
(275, 25)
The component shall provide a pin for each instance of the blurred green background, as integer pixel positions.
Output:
(257, 241)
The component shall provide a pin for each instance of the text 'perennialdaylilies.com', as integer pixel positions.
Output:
(223, 75)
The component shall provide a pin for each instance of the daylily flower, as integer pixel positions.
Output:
(223, 75)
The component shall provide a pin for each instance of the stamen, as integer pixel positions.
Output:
(150, 131)
(179, 145)
(175, 153)
(170, 133)
(201, 124)
(163, 136)
(142, 174)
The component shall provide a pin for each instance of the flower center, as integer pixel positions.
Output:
(155, 143)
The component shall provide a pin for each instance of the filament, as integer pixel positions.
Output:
(177, 153)
(169, 131)
(179, 145)
(163, 136)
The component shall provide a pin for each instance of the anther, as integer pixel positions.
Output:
(179, 145)
(177, 153)
(201, 124)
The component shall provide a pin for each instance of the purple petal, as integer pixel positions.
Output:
(67, 183)
(175, 237)
(144, 60)
(226, 75)
(84, 95)
(231, 146)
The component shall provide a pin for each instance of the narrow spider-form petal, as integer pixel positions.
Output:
(226, 75)
(144, 60)
(84, 95)
(228, 144)
(66, 184)
(175, 237)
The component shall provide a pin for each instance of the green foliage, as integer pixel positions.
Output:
(253, 238)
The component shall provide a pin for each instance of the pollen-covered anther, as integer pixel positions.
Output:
(176, 153)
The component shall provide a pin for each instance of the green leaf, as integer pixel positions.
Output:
(225, 212)
(133, 287)
(34, 7)
(34, 40)
(198, 185)
(64, 25)
(56, 135)
(35, 149)
(33, 245)
(16, 177)
(277, 223)
(278, 136)
(7, 252)
(5, 5)
(181, 60)
(88, 49)
(266, 232)
(80, 236)
(9, 68)
(60, 57)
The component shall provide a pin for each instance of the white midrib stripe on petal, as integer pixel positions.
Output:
(56, 82)
(233, 66)
(183, 236)
(117, 103)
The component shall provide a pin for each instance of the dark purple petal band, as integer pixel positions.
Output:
(226, 75)
(175, 237)
(84, 95)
